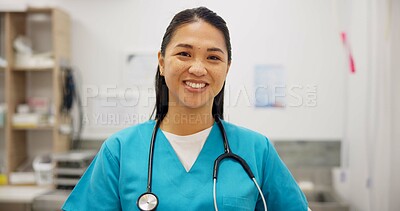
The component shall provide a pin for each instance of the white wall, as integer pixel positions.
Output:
(300, 35)
(395, 171)
(373, 108)
(303, 37)
(357, 109)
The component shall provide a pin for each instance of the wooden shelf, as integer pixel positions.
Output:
(33, 69)
(40, 10)
(43, 127)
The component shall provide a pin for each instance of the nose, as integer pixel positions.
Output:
(198, 68)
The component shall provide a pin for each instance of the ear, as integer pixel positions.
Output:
(161, 63)
(229, 65)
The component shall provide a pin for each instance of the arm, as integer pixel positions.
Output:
(279, 187)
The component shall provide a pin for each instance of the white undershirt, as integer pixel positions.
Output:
(188, 148)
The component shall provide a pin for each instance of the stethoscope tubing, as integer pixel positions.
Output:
(142, 202)
(228, 154)
(151, 155)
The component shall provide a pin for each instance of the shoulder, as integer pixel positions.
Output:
(246, 136)
(129, 136)
(242, 131)
(131, 132)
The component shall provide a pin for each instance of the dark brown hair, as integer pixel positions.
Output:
(184, 17)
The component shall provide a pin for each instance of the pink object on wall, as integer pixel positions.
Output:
(352, 65)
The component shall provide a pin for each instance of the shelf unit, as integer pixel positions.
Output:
(17, 80)
(2, 96)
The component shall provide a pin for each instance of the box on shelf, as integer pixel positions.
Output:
(22, 178)
(3, 176)
(30, 120)
(3, 112)
(39, 105)
(24, 174)
(3, 62)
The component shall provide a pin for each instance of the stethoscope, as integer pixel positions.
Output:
(149, 200)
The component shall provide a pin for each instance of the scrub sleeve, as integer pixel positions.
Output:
(279, 187)
(98, 187)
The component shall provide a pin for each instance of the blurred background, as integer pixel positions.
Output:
(318, 78)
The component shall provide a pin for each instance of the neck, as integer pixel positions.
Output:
(186, 121)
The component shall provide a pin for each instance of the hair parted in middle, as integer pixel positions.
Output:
(181, 18)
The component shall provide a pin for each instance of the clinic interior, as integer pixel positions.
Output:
(320, 79)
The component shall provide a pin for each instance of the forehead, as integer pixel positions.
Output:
(198, 34)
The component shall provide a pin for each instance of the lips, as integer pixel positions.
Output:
(196, 85)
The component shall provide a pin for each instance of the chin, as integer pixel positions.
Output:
(195, 104)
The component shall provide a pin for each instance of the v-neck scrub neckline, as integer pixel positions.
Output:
(202, 169)
(187, 148)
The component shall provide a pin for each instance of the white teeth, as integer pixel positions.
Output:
(195, 85)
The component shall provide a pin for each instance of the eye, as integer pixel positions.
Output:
(184, 54)
(214, 58)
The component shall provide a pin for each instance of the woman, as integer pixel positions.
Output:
(186, 137)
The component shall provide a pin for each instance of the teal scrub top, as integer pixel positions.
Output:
(118, 174)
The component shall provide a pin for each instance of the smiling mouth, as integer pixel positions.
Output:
(195, 85)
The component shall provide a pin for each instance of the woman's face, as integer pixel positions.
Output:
(195, 65)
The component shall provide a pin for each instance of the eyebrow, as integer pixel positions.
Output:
(191, 47)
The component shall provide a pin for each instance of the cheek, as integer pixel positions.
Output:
(221, 77)
(174, 70)
(172, 82)
(219, 82)
(172, 74)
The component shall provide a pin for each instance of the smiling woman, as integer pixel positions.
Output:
(187, 142)
(194, 65)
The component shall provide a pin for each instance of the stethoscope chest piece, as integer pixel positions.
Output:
(147, 201)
